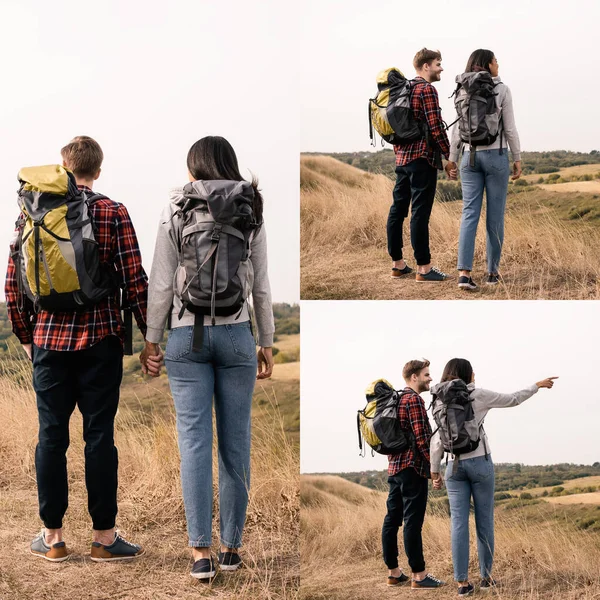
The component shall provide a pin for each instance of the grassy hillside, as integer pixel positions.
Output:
(540, 553)
(150, 504)
(551, 249)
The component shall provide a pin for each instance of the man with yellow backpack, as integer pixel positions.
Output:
(73, 252)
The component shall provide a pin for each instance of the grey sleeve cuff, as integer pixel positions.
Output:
(153, 335)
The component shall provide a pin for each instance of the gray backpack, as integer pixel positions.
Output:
(478, 119)
(214, 276)
(454, 417)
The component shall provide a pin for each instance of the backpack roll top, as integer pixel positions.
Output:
(57, 255)
(215, 275)
(378, 422)
(452, 408)
(476, 108)
(390, 112)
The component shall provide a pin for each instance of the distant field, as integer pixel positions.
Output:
(285, 343)
(587, 187)
(591, 498)
(577, 171)
(580, 482)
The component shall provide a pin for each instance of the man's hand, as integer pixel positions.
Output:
(437, 480)
(516, 170)
(151, 358)
(451, 170)
(546, 383)
(28, 350)
(265, 362)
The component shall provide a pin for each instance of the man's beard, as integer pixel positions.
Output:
(423, 387)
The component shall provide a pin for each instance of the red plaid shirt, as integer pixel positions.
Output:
(426, 107)
(413, 417)
(68, 331)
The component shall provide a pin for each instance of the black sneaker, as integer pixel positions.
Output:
(429, 583)
(487, 584)
(204, 569)
(398, 273)
(229, 561)
(402, 578)
(493, 279)
(434, 274)
(466, 590)
(466, 283)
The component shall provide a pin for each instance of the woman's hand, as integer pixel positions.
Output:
(151, 358)
(437, 480)
(516, 170)
(265, 362)
(546, 383)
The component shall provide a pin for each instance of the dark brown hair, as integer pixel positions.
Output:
(213, 157)
(414, 367)
(425, 56)
(83, 156)
(479, 61)
(458, 368)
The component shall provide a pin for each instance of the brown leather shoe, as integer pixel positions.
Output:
(55, 553)
(120, 549)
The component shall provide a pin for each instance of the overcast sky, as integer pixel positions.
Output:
(146, 81)
(511, 344)
(547, 54)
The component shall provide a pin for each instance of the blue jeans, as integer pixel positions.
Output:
(474, 477)
(226, 370)
(490, 173)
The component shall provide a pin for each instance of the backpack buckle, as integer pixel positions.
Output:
(216, 232)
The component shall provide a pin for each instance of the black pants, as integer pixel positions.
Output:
(90, 379)
(415, 183)
(406, 503)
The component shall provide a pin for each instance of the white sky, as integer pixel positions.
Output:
(547, 53)
(147, 80)
(511, 344)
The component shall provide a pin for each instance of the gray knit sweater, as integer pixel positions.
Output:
(161, 298)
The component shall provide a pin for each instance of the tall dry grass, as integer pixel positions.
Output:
(341, 550)
(150, 511)
(343, 243)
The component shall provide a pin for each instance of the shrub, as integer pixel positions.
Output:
(521, 182)
(525, 496)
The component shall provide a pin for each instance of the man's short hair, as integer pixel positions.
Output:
(425, 56)
(83, 156)
(414, 367)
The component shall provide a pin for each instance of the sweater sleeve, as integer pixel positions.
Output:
(164, 265)
(436, 451)
(496, 400)
(261, 290)
(509, 126)
(455, 144)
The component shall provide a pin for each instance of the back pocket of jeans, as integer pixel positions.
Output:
(242, 339)
(179, 343)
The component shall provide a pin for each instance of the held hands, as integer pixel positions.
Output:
(546, 383)
(451, 170)
(516, 170)
(151, 358)
(438, 482)
(264, 357)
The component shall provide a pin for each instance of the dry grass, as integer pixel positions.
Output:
(576, 171)
(150, 511)
(579, 482)
(341, 550)
(343, 244)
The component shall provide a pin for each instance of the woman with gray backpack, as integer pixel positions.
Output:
(459, 409)
(210, 256)
(485, 129)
